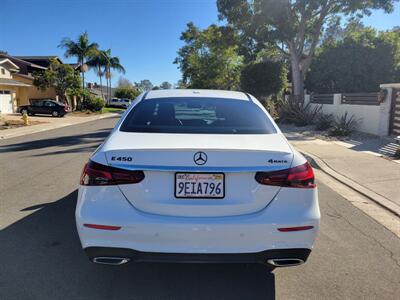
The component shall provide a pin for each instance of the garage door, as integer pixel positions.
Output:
(5, 102)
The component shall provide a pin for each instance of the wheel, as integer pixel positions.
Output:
(24, 111)
(55, 113)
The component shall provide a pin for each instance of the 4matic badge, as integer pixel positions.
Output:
(277, 161)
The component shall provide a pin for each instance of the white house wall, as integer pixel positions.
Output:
(371, 118)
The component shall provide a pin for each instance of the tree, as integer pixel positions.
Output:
(144, 85)
(126, 92)
(62, 77)
(393, 37)
(98, 62)
(112, 63)
(180, 84)
(81, 49)
(209, 58)
(293, 27)
(166, 85)
(263, 79)
(359, 61)
(124, 82)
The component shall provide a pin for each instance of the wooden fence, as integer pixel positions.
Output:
(321, 98)
(361, 99)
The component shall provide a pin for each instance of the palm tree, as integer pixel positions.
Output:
(112, 63)
(81, 49)
(98, 62)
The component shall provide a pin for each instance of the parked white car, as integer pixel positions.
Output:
(116, 102)
(197, 175)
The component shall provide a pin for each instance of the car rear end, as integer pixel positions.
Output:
(188, 190)
(63, 108)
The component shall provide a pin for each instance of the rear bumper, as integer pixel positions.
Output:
(144, 232)
(139, 256)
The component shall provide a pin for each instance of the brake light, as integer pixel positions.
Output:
(98, 174)
(102, 227)
(298, 228)
(298, 177)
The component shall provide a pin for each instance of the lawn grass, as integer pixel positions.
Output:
(112, 110)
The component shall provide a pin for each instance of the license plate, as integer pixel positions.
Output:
(199, 185)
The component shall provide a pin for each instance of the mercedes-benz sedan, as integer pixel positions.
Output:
(197, 176)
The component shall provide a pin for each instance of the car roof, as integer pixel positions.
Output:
(196, 93)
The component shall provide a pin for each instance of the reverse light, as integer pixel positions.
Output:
(297, 177)
(95, 174)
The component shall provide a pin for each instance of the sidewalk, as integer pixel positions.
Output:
(373, 176)
(49, 123)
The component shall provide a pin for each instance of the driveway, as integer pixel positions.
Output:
(41, 257)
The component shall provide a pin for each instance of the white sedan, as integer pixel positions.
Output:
(197, 176)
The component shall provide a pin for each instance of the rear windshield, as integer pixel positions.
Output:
(197, 115)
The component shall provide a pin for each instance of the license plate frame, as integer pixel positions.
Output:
(199, 197)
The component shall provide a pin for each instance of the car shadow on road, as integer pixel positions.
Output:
(41, 258)
(77, 141)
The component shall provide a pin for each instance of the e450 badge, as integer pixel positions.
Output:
(121, 158)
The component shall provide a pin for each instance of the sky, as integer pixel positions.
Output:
(144, 34)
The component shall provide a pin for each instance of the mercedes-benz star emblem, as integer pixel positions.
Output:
(200, 158)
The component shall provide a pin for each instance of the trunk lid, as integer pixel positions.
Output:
(161, 156)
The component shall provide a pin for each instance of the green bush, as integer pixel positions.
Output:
(324, 122)
(296, 112)
(344, 125)
(271, 106)
(94, 103)
(127, 92)
(397, 153)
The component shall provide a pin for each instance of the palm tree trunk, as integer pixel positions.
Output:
(83, 80)
(82, 72)
(109, 83)
(101, 84)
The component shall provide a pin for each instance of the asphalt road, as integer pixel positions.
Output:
(41, 258)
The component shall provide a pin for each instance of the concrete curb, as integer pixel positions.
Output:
(380, 200)
(6, 135)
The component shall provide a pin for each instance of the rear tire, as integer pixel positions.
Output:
(25, 111)
(55, 113)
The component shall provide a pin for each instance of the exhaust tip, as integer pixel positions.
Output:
(285, 262)
(115, 261)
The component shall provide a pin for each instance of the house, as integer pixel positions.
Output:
(16, 81)
(98, 90)
(44, 61)
(11, 90)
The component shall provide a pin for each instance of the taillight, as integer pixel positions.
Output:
(98, 174)
(298, 177)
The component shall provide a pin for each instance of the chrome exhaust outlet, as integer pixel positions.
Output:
(285, 262)
(107, 260)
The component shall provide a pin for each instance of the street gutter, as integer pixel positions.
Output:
(378, 199)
